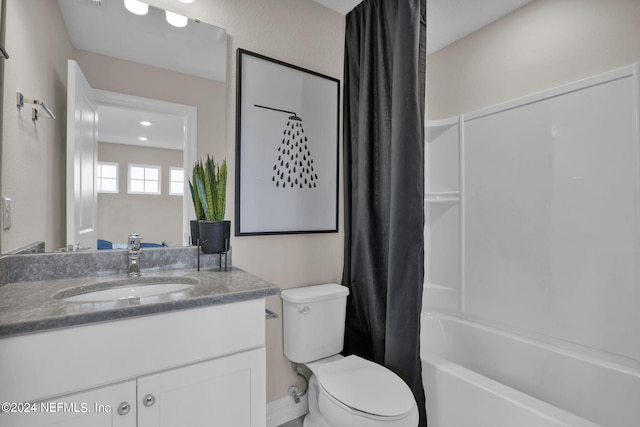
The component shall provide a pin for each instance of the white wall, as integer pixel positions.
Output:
(542, 45)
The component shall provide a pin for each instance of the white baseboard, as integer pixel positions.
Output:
(284, 410)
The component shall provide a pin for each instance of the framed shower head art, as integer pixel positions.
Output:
(286, 148)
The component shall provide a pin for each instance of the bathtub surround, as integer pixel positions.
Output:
(545, 44)
(545, 263)
(558, 387)
(384, 151)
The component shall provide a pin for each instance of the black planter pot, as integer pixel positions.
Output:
(215, 236)
(195, 231)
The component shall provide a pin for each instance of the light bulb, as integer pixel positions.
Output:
(175, 19)
(136, 6)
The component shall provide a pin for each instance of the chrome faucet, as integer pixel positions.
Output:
(133, 265)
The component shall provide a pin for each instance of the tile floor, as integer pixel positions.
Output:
(294, 423)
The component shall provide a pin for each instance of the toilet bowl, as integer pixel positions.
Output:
(355, 392)
(343, 391)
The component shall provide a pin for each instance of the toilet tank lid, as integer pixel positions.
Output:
(314, 293)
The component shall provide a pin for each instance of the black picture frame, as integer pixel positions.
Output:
(287, 148)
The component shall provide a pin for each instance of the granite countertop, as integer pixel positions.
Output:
(27, 307)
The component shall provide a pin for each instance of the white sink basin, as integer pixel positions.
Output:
(128, 292)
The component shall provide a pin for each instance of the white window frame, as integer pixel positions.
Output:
(137, 165)
(99, 176)
(181, 193)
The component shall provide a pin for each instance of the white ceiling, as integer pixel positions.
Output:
(122, 126)
(107, 28)
(448, 20)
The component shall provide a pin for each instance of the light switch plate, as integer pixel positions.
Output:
(6, 213)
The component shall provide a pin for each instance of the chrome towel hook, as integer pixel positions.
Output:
(20, 101)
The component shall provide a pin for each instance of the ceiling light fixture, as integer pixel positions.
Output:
(143, 138)
(145, 123)
(186, 1)
(136, 6)
(175, 19)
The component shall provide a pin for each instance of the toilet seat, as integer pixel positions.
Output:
(364, 388)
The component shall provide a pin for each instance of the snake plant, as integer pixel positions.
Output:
(209, 189)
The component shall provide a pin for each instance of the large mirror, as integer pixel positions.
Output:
(143, 70)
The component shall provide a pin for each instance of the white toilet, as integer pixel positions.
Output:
(343, 391)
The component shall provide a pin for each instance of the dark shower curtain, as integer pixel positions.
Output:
(384, 77)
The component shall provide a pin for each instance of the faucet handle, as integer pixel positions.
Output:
(134, 242)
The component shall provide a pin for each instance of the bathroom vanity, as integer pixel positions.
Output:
(193, 356)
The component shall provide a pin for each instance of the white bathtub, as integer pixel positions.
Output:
(478, 376)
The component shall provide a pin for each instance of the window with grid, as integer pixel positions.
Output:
(176, 181)
(144, 179)
(107, 177)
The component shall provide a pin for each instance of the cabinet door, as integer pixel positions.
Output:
(99, 407)
(229, 391)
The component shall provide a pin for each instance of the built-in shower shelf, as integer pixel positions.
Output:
(442, 197)
(443, 207)
(435, 128)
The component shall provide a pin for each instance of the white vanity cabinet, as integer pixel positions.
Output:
(109, 406)
(218, 392)
(194, 367)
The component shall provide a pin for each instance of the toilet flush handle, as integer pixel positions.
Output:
(305, 310)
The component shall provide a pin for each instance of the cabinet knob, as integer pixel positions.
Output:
(124, 408)
(148, 400)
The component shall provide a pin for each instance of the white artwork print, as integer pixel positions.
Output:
(288, 149)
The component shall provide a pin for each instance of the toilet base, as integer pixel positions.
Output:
(313, 418)
(310, 423)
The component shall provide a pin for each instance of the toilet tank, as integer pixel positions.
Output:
(313, 319)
